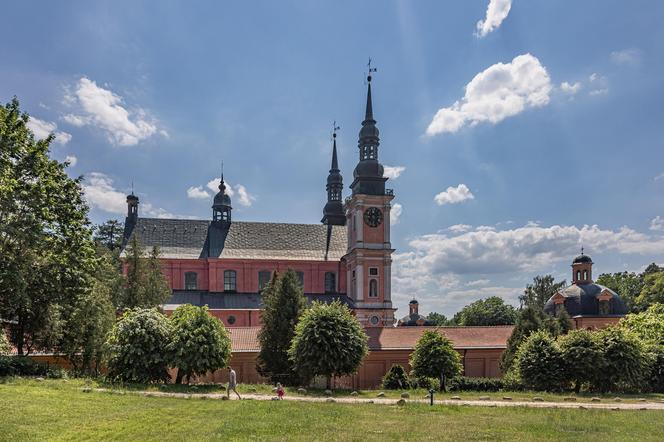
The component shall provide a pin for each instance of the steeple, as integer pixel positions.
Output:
(368, 174)
(221, 207)
(333, 212)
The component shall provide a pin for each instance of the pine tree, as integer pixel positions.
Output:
(283, 303)
(145, 284)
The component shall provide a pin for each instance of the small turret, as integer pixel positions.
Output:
(221, 207)
(333, 212)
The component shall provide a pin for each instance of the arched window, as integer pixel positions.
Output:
(605, 307)
(585, 275)
(230, 281)
(330, 282)
(578, 275)
(373, 288)
(263, 279)
(190, 281)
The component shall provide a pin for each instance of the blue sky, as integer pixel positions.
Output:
(520, 138)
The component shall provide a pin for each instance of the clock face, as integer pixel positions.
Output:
(373, 217)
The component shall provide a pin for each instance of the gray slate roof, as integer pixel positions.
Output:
(193, 239)
(581, 300)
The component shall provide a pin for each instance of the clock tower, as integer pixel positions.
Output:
(369, 256)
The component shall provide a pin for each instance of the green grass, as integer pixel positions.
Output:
(59, 410)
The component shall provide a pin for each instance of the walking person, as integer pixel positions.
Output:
(280, 391)
(232, 383)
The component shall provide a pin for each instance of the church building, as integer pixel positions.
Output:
(225, 263)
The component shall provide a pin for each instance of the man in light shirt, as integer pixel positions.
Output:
(232, 383)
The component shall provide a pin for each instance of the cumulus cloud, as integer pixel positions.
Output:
(197, 193)
(626, 56)
(599, 84)
(393, 172)
(459, 228)
(570, 89)
(496, 12)
(42, 129)
(659, 177)
(104, 109)
(395, 213)
(72, 160)
(500, 91)
(454, 195)
(244, 197)
(657, 224)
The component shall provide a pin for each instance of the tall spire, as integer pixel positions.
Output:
(335, 164)
(333, 212)
(368, 114)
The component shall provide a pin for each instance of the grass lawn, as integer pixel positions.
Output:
(59, 410)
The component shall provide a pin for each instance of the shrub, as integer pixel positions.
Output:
(138, 347)
(582, 357)
(626, 363)
(463, 383)
(396, 378)
(656, 375)
(434, 357)
(25, 366)
(539, 362)
(199, 342)
(423, 382)
(4, 343)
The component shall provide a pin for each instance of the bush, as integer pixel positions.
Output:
(539, 362)
(138, 347)
(4, 343)
(24, 366)
(656, 377)
(423, 382)
(463, 383)
(199, 344)
(396, 378)
(626, 363)
(582, 357)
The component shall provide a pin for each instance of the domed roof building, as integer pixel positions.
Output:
(414, 318)
(590, 305)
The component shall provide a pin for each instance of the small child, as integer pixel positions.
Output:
(280, 391)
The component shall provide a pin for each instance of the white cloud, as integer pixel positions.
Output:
(599, 84)
(659, 177)
(72, 160)
(570, 89)
(478, 282)
(395, 213)
(104, 109)
(100, 193)
(42, 129)
(496, 12)
(657, 224)
(626, 56)
(393, 172)
(498, 92)
(244, 197)
(459, 228)
(454, 195)
(197, 193)
(596, 92)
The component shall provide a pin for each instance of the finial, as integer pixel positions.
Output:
(370, 70)
(582, 250)
(132, 187)
(222, 186)
(335, 128)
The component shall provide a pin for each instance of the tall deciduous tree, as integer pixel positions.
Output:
(45, 241)
(489, 311)
(439, 319)
(329, 341)
(653, 289)
(542, 288)
(434, 357)
(283, 303)
(530, 319)
(199, 343)
(626, 284)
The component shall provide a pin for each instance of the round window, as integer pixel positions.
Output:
(231, 319)
(374, 320)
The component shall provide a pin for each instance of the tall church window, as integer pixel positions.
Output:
(264, 277)
(373, 288)
(300, 278)
(330, 282)
(578, 275)
(230, 281)
(190, 281)
(585, 275)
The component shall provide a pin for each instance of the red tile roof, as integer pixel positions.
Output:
(245, 339)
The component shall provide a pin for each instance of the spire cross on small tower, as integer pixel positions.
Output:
(335, 128)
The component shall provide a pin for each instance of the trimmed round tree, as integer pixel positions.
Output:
(199, 344)
(329, 341)
(626, 362)
(283, 303)
(582, 357)
(138, 347)
(434, 357)
(539, 362)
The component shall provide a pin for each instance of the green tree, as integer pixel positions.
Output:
(283, 303)
(439, 319)
(5, 348)
(529, 320)
(395, 378)
(329, 341)
(434, 356)
(199, 342)
(109, 234)
(542, 288)
(539, 362)
(564, 321)
(45, 241)
(653, 290)
(139, 347)
(489, 311)
(627, 285)
(626, 364)
(582, 357)
(145, 284)
(649, 327)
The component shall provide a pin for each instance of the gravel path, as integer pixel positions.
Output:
(607, 405)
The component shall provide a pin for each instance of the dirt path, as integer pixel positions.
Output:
(383, 401)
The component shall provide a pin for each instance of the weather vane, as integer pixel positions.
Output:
(335, 128)
(370, 70)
